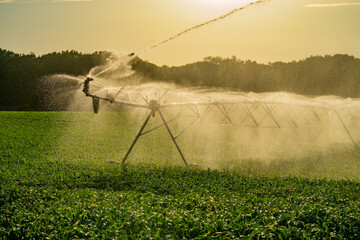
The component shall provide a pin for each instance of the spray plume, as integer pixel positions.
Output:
(133, 55)
(200, 26)
(288, 131)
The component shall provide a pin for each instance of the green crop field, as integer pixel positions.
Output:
(56, 184)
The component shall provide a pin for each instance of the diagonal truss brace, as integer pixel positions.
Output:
(154, 107)
(346, 129)
(249, 114)
(224, 111)
(268, 111)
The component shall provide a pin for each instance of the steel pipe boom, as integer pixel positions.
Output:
(224, 106)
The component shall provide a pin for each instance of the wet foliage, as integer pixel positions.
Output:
(55, 184)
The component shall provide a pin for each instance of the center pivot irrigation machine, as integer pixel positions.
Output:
(239, 109)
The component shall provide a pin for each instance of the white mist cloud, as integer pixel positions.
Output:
(332, 4)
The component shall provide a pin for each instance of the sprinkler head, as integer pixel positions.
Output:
(86, 86)
(88, 79)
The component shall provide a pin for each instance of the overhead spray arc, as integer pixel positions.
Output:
(198, 26)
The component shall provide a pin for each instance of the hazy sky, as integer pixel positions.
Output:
(277, 30)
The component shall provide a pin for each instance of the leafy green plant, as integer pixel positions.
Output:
(55, 184)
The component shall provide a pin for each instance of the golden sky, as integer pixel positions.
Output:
(277, 30)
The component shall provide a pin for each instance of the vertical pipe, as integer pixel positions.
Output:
(172, 137)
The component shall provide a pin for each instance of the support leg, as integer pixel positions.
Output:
(137, 137)
(173, 138)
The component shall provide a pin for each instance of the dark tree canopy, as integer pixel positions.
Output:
(20, 75)
(316, 75)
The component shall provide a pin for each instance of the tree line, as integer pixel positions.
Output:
(20, 75)
(316, 75)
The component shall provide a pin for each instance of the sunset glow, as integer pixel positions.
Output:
(269, 31)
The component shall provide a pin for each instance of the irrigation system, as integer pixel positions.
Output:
(243, 110)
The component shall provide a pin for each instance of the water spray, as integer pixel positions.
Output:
(199, 26)
(249, 104)
(133, 55)
(257, 111)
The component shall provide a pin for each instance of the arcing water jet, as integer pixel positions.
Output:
(198, 26)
